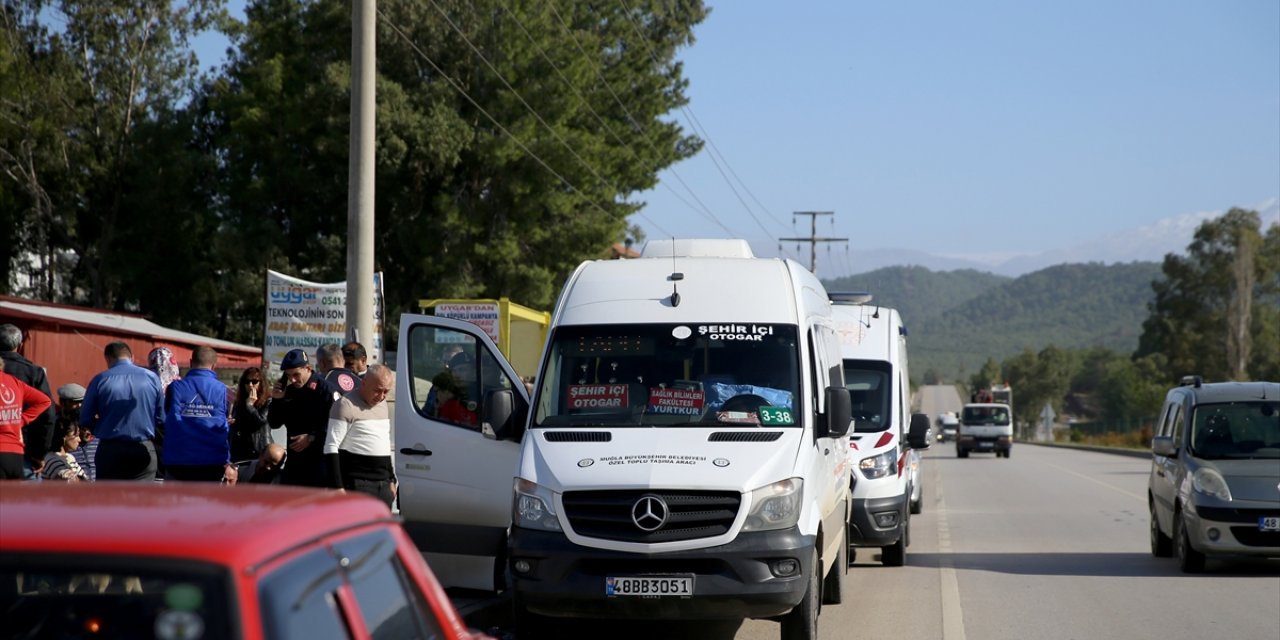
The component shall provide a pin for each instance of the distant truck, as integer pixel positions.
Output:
(985, 426)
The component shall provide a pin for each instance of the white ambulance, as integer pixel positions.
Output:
(884, 448)
(684, 455)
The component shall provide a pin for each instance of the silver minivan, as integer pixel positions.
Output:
(1215, 472)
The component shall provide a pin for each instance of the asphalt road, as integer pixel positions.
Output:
(1051, 543)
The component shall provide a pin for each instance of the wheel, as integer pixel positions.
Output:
(962, 453)
(833, 585)
(917, 502)
(801, 623)
(1189, 560)
(1161, 545)
(1007, 452)
(895, 555)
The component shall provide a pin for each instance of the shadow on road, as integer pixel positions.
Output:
(1105, 565)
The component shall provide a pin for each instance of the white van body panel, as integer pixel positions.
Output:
(874, 336)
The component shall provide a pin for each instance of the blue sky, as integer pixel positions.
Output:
(980, 128)
(985, 129)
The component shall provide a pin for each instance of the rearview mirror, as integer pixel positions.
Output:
(835, 422)
(1163, 446)
(504, 415)
(918, 433)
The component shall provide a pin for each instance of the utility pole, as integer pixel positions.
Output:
(360, 200)
(813, 238)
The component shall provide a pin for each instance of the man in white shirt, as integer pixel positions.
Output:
(358, 446)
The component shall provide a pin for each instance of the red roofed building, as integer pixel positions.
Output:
(68, 341)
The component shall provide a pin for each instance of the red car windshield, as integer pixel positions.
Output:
(78, 596)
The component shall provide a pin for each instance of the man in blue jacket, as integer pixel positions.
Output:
(122, 407)
(197, 446)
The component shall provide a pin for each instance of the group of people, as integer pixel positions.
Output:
(143, 423)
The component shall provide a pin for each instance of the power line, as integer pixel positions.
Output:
(454, 83)
(705, 211)
(635, 124)
(693, 121)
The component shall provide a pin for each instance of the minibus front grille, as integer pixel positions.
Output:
(689, 515)
(744, 436)
(578, 436)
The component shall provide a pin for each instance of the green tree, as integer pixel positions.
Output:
(82, 82)
(1203, 316)
(510, 136)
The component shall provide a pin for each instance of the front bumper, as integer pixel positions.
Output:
(1236, 528)
(863, 529)
(731, 581)
(984, 443)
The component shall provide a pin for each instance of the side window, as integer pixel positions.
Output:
(391, 607)
(451, 373)
(1177, 421)
(299, 600)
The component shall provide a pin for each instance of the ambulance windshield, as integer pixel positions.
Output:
(671, 374)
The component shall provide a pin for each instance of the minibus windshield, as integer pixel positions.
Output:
(670, 374)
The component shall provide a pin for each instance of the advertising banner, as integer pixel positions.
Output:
(305, 315)
(482, 314)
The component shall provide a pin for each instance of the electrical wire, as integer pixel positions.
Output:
(454, 83)
(635, 124)
(693, 121)
(705, 211)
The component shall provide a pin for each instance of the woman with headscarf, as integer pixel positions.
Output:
(249, 431)
(161, 362)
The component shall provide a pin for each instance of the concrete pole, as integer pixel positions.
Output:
(360, 201)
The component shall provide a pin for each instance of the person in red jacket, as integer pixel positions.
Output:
(20, 403)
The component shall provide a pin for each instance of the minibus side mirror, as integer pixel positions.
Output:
(918, 433)
(835, 422)
(504, 415)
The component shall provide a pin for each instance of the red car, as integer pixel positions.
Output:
(191, 561)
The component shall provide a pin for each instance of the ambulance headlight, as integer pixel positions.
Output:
(775, 506)
(534, 507)
(880, 465)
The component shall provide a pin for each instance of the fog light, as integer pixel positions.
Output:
(1214, 534)
(785, 568)
(886, 519)
(523, 566)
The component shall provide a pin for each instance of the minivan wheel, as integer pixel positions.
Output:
(801, 623)
(1161, 545)
(1189, 560)
(962, 453)
(895, 555)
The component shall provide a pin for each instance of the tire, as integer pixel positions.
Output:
(801, 623)
(962, 453)
(917, 505)
(1007, 452)
(1161, 545)
(1189, 560)
(895, 555)
(833, 584)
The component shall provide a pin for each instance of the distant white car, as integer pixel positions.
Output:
(947, 424)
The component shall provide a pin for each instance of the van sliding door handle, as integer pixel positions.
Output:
(826, 452)
(415, 452)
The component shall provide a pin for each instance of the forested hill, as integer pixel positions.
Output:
(958, 319)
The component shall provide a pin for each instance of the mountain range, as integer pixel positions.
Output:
(1148, 243)
(957, 319)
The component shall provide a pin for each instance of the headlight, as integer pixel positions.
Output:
(533, 507)
(879, 466)
(1210, 483)
(775, 506)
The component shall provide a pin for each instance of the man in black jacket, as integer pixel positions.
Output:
(37, 436)
(300, 402)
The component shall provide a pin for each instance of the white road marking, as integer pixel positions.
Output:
(952, 614)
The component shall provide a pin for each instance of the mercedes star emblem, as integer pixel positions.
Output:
(649, 512)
